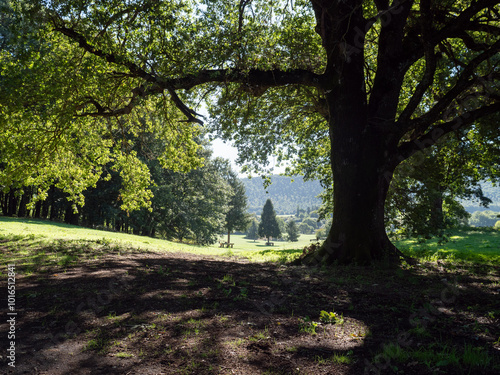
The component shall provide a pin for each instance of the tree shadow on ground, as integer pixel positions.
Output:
(150, 313)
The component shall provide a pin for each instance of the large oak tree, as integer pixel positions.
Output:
(373, 82)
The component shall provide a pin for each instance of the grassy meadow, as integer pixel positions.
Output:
(63, 243)
(39, 241)
(479, 245)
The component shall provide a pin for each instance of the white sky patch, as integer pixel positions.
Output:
(226, 150)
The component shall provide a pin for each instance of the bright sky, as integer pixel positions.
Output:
(227, 151)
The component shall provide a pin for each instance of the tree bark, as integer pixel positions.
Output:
(25, 199)
(71, 217)
(38, 210)
(12, 205)
(362, 170)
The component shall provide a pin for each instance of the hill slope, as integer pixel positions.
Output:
(286, 193)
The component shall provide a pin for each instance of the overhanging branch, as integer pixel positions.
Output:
(255, 80)
(455, 26)
(258, 79)
(430, 138)
(428, 77)
(463, 83)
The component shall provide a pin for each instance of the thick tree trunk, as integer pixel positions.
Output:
(362, 177)
(358, 229)
(363, 149)
(45, 208)
(363, 161)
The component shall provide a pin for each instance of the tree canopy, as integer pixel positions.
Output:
(348, 89)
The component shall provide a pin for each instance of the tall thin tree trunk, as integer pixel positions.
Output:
(437, 215)
(12, 205)
(38, 209)
(25, 199)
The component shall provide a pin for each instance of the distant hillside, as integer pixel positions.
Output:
(490, 191)
(285, 194)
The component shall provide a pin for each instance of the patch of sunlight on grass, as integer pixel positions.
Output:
(33, 242)
(465, 245)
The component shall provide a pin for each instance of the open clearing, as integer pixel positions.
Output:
(96, 304)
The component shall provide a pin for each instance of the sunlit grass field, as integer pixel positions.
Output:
(37, 242)
(32, 242)
(480, 245)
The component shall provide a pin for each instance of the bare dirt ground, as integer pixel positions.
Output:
(150, 313)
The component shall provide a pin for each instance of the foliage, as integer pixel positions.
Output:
(427, 189)
(484, 218)
(306, 228)
(190, 205)
(253, 230)
(292, 231)
(308, 326)
(236, 215)
(268, 226)
(331, 317)
(46, 90)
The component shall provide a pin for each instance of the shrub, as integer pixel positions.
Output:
(497, 225)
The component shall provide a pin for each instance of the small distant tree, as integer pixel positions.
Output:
(293, 231)
(268, 226)
(320, 233)
(253, 231)
(497, 225)
(305, 228)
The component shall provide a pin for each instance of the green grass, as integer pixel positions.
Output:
(38, 243)
(470, 245)
(436, 355)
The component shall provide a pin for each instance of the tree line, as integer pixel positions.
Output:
(191, 206)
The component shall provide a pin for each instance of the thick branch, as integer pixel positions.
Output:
(255, 78)
(390, 64)
(430, 69)
(462, 22)
(454, 28)
(256, 81)
(463, 83)
(430, 138)
(471, 44)
(188, 112)
(382, 5)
